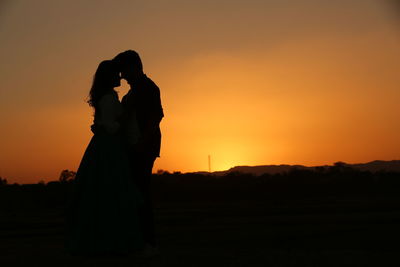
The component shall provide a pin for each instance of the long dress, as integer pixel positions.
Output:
(101, 216)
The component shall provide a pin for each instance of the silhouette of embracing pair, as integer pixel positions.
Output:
(110, 208)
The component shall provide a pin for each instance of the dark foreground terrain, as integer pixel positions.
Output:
(327, 218)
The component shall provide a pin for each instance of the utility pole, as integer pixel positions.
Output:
(209, 163)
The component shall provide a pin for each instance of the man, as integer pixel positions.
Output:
(141, 127)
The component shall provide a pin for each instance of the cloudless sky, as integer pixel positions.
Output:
(248, 82)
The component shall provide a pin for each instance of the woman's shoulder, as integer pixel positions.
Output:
(109, 98)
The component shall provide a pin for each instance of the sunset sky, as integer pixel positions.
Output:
(250, 82)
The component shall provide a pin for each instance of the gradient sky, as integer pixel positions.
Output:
(248, 82)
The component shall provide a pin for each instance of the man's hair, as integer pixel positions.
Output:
(129, 58)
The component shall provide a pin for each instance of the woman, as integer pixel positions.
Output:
(102, 213)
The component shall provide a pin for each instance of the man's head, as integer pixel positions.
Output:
(130, 65)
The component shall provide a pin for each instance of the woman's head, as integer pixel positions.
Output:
(105, 79)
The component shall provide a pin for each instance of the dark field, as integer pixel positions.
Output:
(303, 218)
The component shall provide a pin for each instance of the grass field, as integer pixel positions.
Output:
(230, 222)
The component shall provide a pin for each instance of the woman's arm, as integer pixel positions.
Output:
(108, 111)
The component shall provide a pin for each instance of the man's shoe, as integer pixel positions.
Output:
(150, 251)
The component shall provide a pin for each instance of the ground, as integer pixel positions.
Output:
(352, 231)
(299, 219)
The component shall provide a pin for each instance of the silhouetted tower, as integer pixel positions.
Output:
(209, 163)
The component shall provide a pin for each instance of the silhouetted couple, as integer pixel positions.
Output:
(110, 210)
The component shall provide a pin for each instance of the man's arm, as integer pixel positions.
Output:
(154, 109)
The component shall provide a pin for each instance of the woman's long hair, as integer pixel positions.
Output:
(103, 82)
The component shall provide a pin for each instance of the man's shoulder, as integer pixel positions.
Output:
(150, 83)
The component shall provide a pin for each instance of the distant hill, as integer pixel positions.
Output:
(373, 166)
(378, 165)
(259, 170)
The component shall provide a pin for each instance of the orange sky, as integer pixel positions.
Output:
(247, 82)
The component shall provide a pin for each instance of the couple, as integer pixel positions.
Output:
(110, 210)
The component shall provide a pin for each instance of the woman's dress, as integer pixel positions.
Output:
(102, 212)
